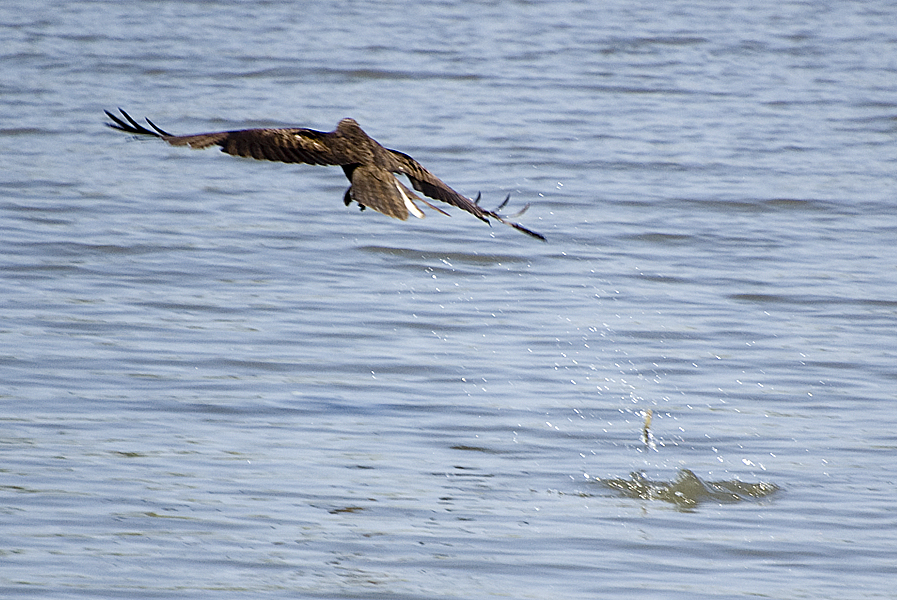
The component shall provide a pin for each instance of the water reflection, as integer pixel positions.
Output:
(688, 490)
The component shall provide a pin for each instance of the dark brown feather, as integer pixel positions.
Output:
(367, 164)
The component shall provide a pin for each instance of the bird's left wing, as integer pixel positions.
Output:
(293, 145)
(430, 185)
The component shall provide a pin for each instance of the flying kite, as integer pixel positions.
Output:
(370, 167)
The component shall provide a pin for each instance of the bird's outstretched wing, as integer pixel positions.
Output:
(349, 147)
(293, 145)
(430, 185)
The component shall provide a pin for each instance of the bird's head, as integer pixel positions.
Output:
(349, 125)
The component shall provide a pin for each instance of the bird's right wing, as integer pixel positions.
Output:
(430, 185)
(292, 145)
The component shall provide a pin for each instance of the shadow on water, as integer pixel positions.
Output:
(461, 257)
(688, 490)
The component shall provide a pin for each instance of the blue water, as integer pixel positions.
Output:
(219, 382)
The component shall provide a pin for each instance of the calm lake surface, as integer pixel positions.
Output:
(216, 381)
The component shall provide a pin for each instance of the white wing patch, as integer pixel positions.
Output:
(409, 203)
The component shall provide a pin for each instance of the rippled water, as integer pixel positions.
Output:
(220, 382)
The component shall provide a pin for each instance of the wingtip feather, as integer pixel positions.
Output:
(129, 125)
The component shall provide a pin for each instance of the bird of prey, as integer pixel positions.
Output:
(370, 167)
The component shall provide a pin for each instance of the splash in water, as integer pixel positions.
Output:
(687, 491)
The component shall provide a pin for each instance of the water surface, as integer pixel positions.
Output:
(219, 382)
